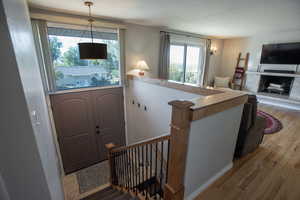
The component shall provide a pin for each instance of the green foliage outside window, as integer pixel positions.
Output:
(55, 46)
(71, 58)
(191, 77)
(176, 73)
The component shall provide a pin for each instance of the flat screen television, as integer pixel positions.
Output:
(287, 53)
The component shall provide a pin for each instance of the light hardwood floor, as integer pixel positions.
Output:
(272, 172)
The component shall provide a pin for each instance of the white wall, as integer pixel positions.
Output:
(253, 45)
(156, 120)
(231, 49)
(211, 148)
(142, 43)
(215, 60)
(28, 161)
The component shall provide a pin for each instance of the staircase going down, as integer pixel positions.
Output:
(110, 193)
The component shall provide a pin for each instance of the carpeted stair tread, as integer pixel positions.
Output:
(114, 195)
(124, 197)
(134, 198)
(101, 194)
(110, 193)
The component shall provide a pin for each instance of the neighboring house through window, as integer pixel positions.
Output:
(71, 72)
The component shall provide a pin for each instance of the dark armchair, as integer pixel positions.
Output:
(251, 131)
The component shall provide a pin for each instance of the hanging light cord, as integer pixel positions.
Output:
(91, 22)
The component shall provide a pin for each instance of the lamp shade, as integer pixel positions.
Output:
(92, 51)
(142, 65)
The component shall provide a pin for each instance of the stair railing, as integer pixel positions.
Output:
(141, 168)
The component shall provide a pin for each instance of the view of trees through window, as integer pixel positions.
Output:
(72, 72)
(185, 63)
(176, 70)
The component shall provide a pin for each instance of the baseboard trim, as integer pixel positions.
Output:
(193, 195)
(284, 103)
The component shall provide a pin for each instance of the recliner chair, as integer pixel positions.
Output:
(251, 131)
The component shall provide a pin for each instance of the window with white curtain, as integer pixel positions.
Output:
(187, 59)
(70, 71)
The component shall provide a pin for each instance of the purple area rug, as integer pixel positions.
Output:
(273, 124)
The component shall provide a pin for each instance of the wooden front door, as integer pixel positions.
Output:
(73, 119)
(109, 118)
(85, 122)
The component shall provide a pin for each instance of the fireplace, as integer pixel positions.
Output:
(276, 84)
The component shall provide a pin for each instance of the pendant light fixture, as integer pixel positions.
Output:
(91, 50)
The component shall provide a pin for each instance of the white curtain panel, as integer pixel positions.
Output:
(40, 34)
(207, 55)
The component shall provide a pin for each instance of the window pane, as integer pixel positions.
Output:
(176, 63)
(72, 72)
(192, 65)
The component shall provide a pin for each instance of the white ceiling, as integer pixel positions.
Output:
(223, 18)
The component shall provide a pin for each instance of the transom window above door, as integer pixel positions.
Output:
(70, 72)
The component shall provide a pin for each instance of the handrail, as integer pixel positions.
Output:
(144, 142)
(141, 168)
(137, 169)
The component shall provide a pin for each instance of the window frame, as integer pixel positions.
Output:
(51, 70)
(186, 45)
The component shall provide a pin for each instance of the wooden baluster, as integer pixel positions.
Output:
(180, 126)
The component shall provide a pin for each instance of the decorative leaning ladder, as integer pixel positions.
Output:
(239, 73)
(154, 169)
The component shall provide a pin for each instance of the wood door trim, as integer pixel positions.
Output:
(79, 90)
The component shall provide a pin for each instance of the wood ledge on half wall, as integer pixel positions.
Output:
(210, 100)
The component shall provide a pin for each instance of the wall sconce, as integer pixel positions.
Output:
(142, 67)
(213, 50)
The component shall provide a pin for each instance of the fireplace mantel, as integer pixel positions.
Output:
(273, 74)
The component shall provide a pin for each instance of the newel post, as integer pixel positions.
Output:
(180, 127)
(111, 162)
